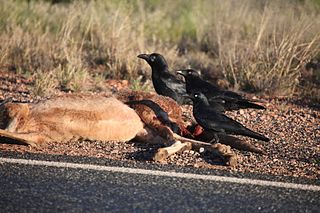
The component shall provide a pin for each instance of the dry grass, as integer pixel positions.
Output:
(267, 50)
(254, 46)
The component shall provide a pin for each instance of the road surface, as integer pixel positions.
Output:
(44, 183)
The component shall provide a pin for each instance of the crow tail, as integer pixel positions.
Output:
(255, 135)
(246, 104)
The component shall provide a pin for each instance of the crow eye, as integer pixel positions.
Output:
(189, 73)
(153, 58)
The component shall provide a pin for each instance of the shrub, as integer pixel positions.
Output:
(258, 46)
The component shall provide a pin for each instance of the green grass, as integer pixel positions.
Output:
(257, 46)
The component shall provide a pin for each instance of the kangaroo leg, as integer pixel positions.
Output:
(221, 150)
(162, 135)
(31, 139)
(176, 147)
(147, 135)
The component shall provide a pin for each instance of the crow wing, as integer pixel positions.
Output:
(173, 83)
(211, 119)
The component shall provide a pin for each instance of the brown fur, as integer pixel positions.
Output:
(146, 114)
(71, 116)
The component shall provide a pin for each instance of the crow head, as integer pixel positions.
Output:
(155, 60)
(198, 97)
(189, 73)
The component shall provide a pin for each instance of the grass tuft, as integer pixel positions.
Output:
(257, 46)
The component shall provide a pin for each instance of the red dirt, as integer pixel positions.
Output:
(293, 127)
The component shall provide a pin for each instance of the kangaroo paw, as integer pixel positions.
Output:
(19, 138)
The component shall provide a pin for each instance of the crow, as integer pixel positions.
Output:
(228, 99)
(216, 122)
(164, 82)
(161, 115)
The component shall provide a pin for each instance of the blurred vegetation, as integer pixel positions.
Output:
(255, 46)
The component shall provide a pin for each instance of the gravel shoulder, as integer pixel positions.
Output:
(292, 126)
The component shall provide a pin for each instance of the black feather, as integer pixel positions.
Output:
(228, 99)
(164, 82)
(161, 115)
(212, 120)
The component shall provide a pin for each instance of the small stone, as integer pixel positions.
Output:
(201, 150)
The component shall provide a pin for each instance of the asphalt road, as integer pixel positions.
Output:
(92, 185)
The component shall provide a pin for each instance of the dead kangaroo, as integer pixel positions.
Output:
(83, 116)
(70, 116)
(100, 118)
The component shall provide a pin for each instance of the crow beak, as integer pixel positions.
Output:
(144, 56)
(181, 72)
(187, 96)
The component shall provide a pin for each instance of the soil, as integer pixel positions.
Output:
(292, 125)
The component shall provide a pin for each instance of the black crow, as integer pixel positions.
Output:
(228, 99)
(163, 81)
(216, 122)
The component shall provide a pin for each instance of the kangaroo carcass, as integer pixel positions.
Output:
(69, 116)
(79, 116)
(94, 118)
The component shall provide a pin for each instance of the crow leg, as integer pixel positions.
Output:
(215, 138)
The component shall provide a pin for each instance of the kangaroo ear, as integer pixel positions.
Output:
(18, 110)
(11, 115)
